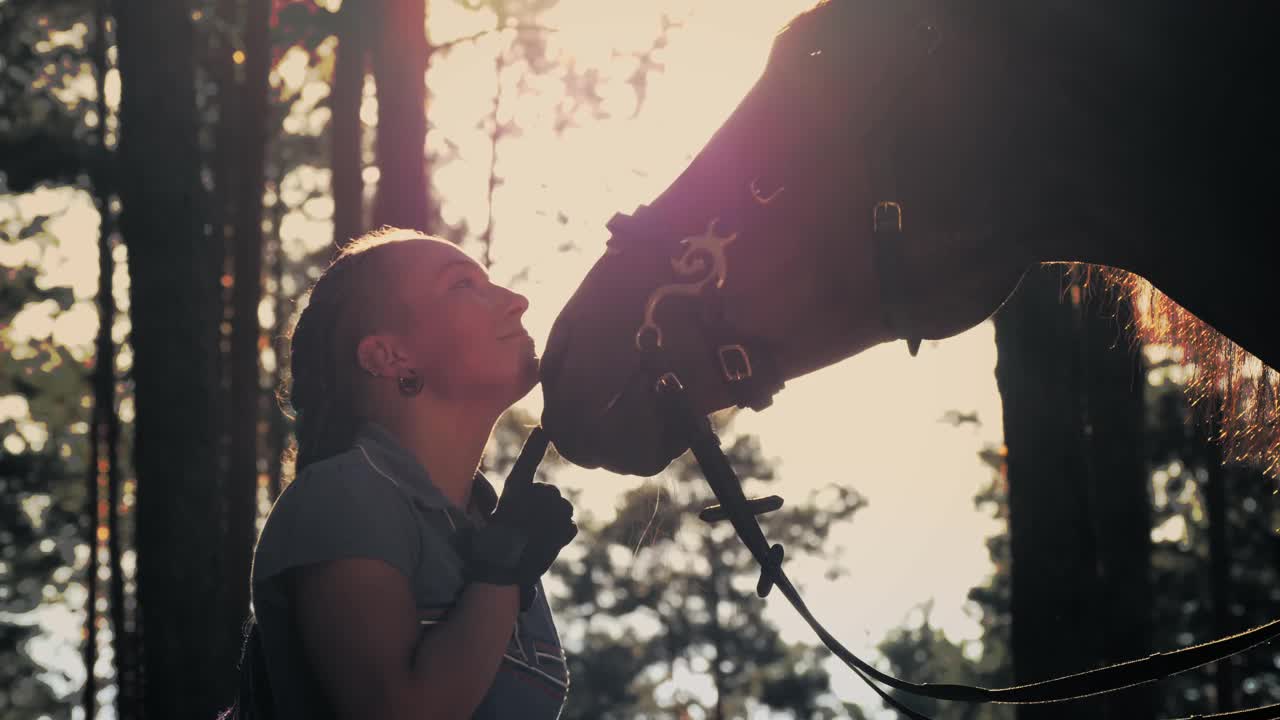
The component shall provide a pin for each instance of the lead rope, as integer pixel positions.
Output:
(735, 507)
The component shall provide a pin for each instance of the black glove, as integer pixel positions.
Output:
(529, 526)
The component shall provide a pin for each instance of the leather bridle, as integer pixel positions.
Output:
(747, 367)
(746, 364)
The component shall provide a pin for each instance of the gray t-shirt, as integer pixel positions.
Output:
(376, 501)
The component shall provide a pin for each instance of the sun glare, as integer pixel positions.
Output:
(871, 423)
(862, 423)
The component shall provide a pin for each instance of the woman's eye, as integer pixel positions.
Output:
(464, 283)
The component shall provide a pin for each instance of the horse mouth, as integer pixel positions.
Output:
(621, 432)
(599, 404)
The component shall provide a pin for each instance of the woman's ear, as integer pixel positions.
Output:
(377, 355)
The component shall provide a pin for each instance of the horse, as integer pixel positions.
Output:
(892, 174)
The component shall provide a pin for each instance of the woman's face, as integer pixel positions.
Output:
(465, 333)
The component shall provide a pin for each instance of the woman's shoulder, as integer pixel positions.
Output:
(337, 507)
(346, 476)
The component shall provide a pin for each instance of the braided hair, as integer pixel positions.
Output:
(349, 299)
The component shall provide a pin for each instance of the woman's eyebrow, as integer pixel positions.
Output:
(456, 263)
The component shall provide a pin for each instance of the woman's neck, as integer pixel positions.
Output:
(449, 444)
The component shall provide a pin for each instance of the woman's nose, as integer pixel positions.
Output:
(516, 303)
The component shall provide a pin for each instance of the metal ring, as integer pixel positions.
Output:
(657, 337)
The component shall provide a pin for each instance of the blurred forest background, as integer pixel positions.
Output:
(173, 176)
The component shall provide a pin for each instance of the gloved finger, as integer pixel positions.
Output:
(566, 507)
(526, 465)
(570, 533)
(549, 499)
(544, 488)
(542, 494)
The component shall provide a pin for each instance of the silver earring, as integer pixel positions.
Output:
(410, 385)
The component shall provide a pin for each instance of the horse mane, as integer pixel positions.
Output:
(1235, 394)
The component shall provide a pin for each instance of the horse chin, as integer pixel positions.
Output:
(628, 439)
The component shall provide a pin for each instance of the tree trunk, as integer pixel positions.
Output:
(399, 67)
(715, 632)
(219, 159)
(1113, 423)
(1216, 503)
(249, 102)
(346, 138)
(277, 431)
(103, 378)
(1078, 508)
(93, 519)
(174, 309)
(105, 447)
(495, 136)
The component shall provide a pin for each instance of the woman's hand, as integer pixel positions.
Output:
(527, 530)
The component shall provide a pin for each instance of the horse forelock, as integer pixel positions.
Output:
(825, 26)
(809, 21)
(1232, 390)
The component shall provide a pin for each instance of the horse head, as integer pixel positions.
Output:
(779, 250)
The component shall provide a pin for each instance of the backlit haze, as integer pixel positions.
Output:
(874, 422)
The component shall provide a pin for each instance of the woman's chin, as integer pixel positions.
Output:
(525, 377)
(522, 389)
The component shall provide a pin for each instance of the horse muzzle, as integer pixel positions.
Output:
(600, 415)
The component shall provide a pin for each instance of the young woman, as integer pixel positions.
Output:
(389, 580)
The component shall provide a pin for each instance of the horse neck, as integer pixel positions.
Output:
(1219, 272)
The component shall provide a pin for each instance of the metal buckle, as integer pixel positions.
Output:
(741, 370)
(668, 382)
(887, 212)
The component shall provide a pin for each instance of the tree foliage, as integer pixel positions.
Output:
(1200, 592)
(1204, 592)
(659, 595)
(924, 653)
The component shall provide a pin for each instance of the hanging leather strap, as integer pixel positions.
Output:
(736, 508)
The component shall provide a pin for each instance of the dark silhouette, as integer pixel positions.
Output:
(174, 309)
(1079, 511)
(991, 138)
